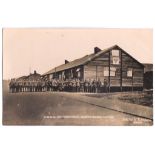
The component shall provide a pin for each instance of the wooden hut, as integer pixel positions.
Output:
(121, 70)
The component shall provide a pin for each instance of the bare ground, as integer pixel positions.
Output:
(55, 108)
(144, 98)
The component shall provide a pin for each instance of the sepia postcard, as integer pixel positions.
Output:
(78, 76)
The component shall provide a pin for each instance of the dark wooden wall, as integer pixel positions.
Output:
(95, 69)
(69, 73)
(137, 79)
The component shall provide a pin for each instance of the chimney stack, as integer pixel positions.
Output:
(96, 50)
(66, 61)
(35, 72)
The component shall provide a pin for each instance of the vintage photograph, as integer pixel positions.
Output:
(78, 76)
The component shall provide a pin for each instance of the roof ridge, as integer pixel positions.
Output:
(78, 61)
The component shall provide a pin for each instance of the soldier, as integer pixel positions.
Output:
(35, 86)
(81, 86)
(28, 86)
(54, 84)
(46, 85)
(16, 86)
(77, 85)
(64, 86)
(105, 86)
(70, 85)
(24, 85)
(85, 86)
(42, 85)
(20, 86)
(67, 85)
(102, 87)
(89, 85)
(32, 86)
(50, 85)
(11, 86)
(94, 86)
(60, 85)
(98, 86)
(73, 85)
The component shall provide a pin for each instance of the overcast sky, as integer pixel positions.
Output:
(26, 50)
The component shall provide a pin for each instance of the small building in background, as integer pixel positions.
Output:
(148, 76)
(148, 67)
(31, 77)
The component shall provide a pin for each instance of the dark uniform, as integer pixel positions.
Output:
(105, 86)
(42, 85)
(98, 86)
(77, 85)
(86, 86)
(89, 86)
(94, 86)
(73, 86)
(11, 86)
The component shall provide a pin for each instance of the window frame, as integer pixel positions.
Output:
(129, 69)
(111, 70)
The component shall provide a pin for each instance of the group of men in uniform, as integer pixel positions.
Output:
(68, 85)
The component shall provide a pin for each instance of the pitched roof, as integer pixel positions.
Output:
(34, 76)
(82, 61)
(21, 78)
(148, 67)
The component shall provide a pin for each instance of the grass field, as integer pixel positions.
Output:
(35, 108)
(144, 98)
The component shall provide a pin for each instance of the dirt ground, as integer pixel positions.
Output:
(144, 98)
(57, 108)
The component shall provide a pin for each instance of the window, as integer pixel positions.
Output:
(60, 76)
(106, 71)
(112, 71)
(129, 72)
(79, 74)
(115, 53)
(71, 73)
(51, 76)
(115, 57)
(63, 74)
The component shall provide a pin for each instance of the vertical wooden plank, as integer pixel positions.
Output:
(121, 71)
(83, 73)
(143, 77)
(96, 72)
(109, 70)
(132, 75)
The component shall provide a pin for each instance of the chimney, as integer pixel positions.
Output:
(66, 61)
(35, 72)
(96, 50)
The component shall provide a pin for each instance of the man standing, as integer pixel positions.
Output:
(98, 86)
(77, 85)
(105, 86)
